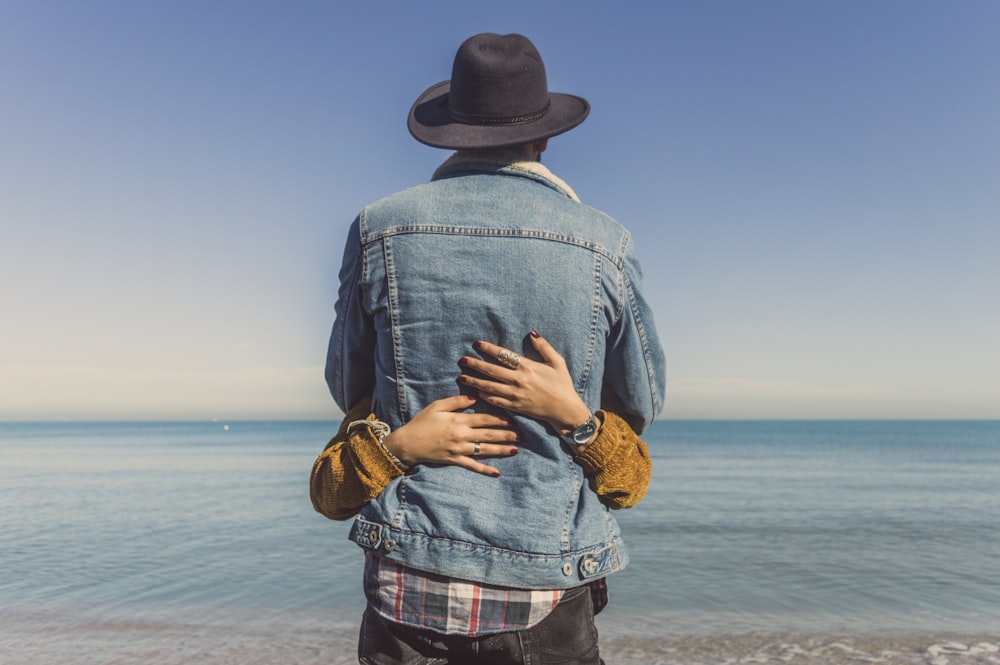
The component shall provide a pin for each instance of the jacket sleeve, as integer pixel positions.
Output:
(634, 364)
(350, 359)
(352, 470)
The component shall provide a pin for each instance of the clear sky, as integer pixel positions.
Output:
(814, 190)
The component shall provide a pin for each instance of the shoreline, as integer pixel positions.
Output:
(64, 637)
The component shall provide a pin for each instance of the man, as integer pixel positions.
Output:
(493, 247)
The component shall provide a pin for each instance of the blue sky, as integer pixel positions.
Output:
(814, 189)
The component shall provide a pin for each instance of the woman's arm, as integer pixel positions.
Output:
(352, 470)
(357, 464)
(615, 460)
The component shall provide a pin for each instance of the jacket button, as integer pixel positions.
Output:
(390, 545)
(567, 568)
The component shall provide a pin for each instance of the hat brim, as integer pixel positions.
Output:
(430, 122)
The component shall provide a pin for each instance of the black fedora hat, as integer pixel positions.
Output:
(498, 96)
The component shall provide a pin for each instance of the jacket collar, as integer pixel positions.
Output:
(499, 161)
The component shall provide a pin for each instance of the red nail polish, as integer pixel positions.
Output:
(512, 451)
(535, 334)
(471, 398)
(477, 345)
(495, 474)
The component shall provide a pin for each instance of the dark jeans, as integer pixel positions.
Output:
(567, 636)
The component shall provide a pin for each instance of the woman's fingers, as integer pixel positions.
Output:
(487, 387)
(488, 348)
(484, 436)
(478, 467)
(444, 433)
(484, 420)
(492, 370)
(479, 426)
(479, 450)
(476, 421)
(549, 354)
(454, 403)
(507, 360)
(469, 454)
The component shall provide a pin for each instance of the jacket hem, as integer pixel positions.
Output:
(488, 564)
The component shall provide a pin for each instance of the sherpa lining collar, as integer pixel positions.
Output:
(510, 160)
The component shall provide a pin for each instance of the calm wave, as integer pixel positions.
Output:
(762, 541)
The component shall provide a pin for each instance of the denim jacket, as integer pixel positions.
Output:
(489, 250)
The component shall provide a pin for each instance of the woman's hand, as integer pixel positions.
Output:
(542, 390)
(442, 434)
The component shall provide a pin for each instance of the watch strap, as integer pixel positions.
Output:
(582, 433)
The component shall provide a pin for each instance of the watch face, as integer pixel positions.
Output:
(583, 433)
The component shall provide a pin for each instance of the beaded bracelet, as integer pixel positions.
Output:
(379, 430)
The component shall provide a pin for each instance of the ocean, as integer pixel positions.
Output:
(758, 542)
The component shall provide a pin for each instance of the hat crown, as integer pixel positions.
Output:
(497, 96)
(498, 79)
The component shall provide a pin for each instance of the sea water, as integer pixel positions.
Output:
(758, 541)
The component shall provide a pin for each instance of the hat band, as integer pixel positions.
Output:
(473, 119)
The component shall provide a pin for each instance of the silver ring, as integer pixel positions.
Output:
(508, 358)
(478, 447)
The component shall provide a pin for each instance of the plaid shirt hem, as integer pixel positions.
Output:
(454, 607)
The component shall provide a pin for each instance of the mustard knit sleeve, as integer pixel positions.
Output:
(617, 463)
(352, 470)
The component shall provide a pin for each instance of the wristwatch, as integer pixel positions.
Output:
(581, 434)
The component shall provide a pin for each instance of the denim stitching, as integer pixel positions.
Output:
(398, 360)
(494, 232)
(644, 341)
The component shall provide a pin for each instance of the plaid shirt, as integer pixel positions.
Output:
(446, 605)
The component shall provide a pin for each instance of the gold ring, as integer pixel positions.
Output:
(508, 358)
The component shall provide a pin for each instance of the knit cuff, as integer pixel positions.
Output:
(617, 464)
(614, 439)
(374, 458)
